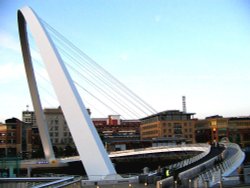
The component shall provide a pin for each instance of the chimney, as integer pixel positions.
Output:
(184, 108)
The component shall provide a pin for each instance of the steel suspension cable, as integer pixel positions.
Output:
(127, 90)
(102, 80)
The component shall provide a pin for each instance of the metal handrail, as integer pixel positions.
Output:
(56, 182)
(53, 183)
(225, 165)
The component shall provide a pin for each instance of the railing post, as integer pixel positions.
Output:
(29, 169)
(206, 184)
(190, 183)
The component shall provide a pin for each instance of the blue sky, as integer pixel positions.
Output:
(160, 49)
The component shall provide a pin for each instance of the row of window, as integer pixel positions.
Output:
(155, 132)
(54, 128)
(11, 141)
(63, 141)
(153, 126)
(56, 134)
(8, 134)
(179, 123)
(184, 130)
(55, 121)
(174, 117)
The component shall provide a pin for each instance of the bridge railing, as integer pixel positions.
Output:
(41, 182)
(231, 159)
(181, 147)
(169, 181)
(191, 160)
(160, 147)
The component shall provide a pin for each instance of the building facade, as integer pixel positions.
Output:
(11, 138)
(59, 133)
(29, 117)
(214, 128)
(115, 133)
(169, 124)
(58, 129)
(118, 134)
(239, 131)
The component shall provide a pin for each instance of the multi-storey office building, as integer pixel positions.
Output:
(211, 129)
(118, 134)
(239, 130)
(203, 131)
(58, 131)
(11, 138)
(29, 117)
(214, 128)
(169, 124)
(115, 133)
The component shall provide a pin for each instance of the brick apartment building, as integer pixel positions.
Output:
(169, 124)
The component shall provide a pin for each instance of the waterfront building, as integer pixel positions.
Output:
(118, 134)
(58, 129)
(169, 124)
(60, 136)
(214, 128)
(29, 117)
(11, 138)
(239, 131)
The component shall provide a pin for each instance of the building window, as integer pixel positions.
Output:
(177, 128)
(65, 140)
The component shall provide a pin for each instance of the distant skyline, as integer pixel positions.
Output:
(159, 49)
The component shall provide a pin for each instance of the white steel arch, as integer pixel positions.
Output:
(88, 143)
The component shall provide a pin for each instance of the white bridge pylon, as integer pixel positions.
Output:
(92, 153)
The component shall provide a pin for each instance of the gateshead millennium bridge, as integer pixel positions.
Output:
(210, 165)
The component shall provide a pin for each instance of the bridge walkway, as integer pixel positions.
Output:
(215, 151)
(175, 173)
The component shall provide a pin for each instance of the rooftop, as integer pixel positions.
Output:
(168, 112)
